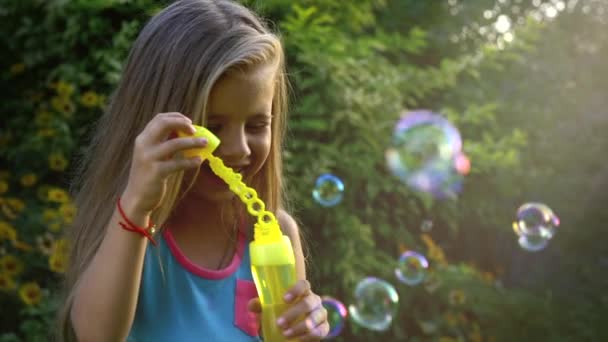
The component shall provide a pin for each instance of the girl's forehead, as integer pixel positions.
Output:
(247, 93)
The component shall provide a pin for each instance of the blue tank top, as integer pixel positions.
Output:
(185, 302)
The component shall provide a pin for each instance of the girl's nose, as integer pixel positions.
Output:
(234, 146)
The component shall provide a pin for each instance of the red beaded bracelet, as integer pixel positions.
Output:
(130, 226)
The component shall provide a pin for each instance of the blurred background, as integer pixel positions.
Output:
(523, 82)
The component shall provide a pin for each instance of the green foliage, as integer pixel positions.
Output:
(59, 64)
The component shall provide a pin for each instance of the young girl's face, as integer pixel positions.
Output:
(240, 114)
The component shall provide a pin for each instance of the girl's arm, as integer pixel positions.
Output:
(290, 228)
(105, 295)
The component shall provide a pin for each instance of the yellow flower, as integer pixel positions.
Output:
(43, 192)
(59, 256)
(3, 187)
(89, 99)
(447, 339)
(49, 215)
(450, 319)
(57, 162)
(43, 117)
(61, 247)
(17, 68)
(55, 226)
(58, 195)
(475, 335)
(46, 133)
(11, 265)
(16, 204)
(63, 105)
(64, 89)
(11, 207)
(68, 211)
(45, 243)
(20, 245)
(6, 282)
(30, 293)
(7, 232)
(57, 263)
(457, 297)
(29, 179)
(435, 252)
(6, 209)
(488, 277)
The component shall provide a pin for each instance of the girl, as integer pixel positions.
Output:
(211, 63)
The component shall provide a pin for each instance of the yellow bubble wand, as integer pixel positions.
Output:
(272, 258)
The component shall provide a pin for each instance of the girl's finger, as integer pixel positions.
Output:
(162, 125)
(308, 326)
(166, 168)
(168, 148)
(300, 289)
(299, 309)
(317, 333)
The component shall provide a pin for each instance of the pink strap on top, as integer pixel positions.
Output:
(201, 271)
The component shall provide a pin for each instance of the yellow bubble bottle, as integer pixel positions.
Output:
(272, 259)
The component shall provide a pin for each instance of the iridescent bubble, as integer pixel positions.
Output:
(375, 304)
(411, 268)
(426, 226)
(532, 243)
(536, 219)
(336, 315)
(328, 190)
(462, 164)
(425, 154)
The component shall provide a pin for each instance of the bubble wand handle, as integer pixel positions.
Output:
(272, 258)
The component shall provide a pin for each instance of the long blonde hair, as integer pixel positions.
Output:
(172, 66)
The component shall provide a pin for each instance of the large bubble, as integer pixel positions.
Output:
(411, 268)
(426, 154)
(375, 304)
(535, 226)
(536, 219)
(336, 315)
(532, 243)
(328, 190)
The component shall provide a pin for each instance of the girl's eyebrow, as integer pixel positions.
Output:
(252, 116)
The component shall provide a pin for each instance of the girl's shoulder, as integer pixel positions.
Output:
(288, 224)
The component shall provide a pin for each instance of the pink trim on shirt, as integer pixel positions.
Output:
(199, 270)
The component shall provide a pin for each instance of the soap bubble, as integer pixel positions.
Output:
(426, 226)
(328, 190)
(536, 219)
(411, 268)
(375, 304)
(336, 315)
(532, 243)
(425, 154)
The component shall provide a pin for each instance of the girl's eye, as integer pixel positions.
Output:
(258, 125)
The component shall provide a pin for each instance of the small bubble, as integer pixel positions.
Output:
(328, 190)
(336, 315)
(411, 268)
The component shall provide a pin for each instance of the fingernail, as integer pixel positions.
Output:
(281, 321)
(287, 332)
(288, 297)
(202, 140)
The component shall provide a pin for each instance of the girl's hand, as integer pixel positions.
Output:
(305, 319)
(153, 161)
